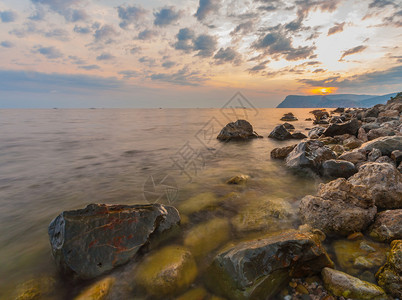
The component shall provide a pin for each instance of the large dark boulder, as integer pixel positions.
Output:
(258, 269)
(92, 241)
(338, 168)
(281, 153)
(350, 127)
(310, 154)
(280, 133)
(386, 144)
(239, 130)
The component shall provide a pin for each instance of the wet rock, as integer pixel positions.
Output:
(166, 272)
(374, 155)
(343, 285)
(280, 133)
(258, 269)
(39, 288)
(350, 127)
(289, 117)
(362, 135)
(380, 132)
(281, 153)
(310, 154)
(203, 201)
(205, 237)
(384, 182)
(338, 168)
(389, 277)
(92, 241)
(316, 132)
(387, 226)
(352, 143)
(288, 126)
(320, 114)
(339, 208)
(337, 119)
(396, 155)
(97, 291)
(299, 135)
(239, 179)
(354, 157)
(239, 130)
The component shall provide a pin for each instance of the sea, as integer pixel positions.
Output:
(53, 160)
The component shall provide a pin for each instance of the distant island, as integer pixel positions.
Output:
(335, 100)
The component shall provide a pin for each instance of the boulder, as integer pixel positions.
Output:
(298, 136)
(350, 127)
(374, 154)
(384, 182)
(288, 117)
(336, 119)
(369, 126)
(362, 135)
(396, 155)
(288, 126)
(239, 130)
(258, 269)
(389, 277)
(389, 113)
(354, 157)
(281, 153)
(387, 226)
(97, 291)
(315, 132)
(385, 159)
(338, 149)
(280, 133)
(343, 285)
(372, 112)
(339, 110)
(167, 272)
(92, 241)
(339, 208)
(380, 132)
(352, 142)
(320, 114)
(338, 168)
(310, 154)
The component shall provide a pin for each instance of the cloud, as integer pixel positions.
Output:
(105, 56)
(130, 15)
(351, 51)
(105, 34)
(7, 16)
(243, 28)
(228, 55)
(90, 67)
(49, 52)
(394, 20)
(6, 44)
(205, 45)
(205, 7)
(82, 30)
(168, 64)
(338, 27)
(38, 15)
(64, 8)
(58, 34)
(184, 38)
(135, 50)
(319, 70)
(166, 16)
(147, 34)
(181, 77)
(260, 67)
(129, 74)
(329, 81)
(150, 62)
(381, 4)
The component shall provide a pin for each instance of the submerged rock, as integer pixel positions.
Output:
(288, 126)
(384, 182)
(298, 136)
(389, 277)
(97, 291)
(203, 201)
(350, 127)
(258, 269)
(386, 144)
(387, 226)
(239, 179)
(338, 168)
(280, 133)
(289, 117)
(92, 241)
(343, 285)
(339, 208)
(166, 272)
(281, 153)
(39, 288)
(239, 130)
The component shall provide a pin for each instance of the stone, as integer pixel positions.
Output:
(239, 179)
(352, 143)
(338, 149)
(343, 285)
(194, 294)
(350, 127)
(384, 182)
(239, 130)
(320, 114)
(310, 154)
(316, 131)
(354, 157)
(200, 202)
(288, 126)
(206, 237)
(374, 155)
(169, 271)
(396, 155)
(258, 269)
(289, 117)
(380, 132)
(280, 133)
(369, 126)
(387, 226)
(339, 208)
(38, 288)
(362, 135)
(92, 241)
(336, 119)
(369, 120)
(281, 153)
(372, 112)
(339, 110)
(327, 140)
(338, 168)
(97, 291)
(389, 277)
(299, 135)
(389, 113)
(385, 159)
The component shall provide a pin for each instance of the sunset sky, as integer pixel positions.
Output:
(102, 53)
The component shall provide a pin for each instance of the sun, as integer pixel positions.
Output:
(322, 90)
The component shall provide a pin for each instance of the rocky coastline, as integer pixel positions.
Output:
(348, 246)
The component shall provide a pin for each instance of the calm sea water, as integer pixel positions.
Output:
(61, 159)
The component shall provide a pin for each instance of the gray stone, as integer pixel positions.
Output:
(374, 155)
(396, 155)
(350, 127)
(239, 130)
(316, 131)
(299, 135)
(338, 168)
(386, 144)
(385, 159)
(362, 135)
(380, 132)
(280, 133)
(370, 126)
(354, 157)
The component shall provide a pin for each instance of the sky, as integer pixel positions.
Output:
(195, 53)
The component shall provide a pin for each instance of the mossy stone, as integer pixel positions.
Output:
(194, 294)
(97, 291)
(198, 203)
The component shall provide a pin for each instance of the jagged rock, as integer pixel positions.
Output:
(372, 112)
(258, 269)
(339, 110)
(362, 135)
(166, 272)
(387, 226)
(384, 182)
(338, 168)
(350, 127)
(352, 143)
(337, 119)
(343, 285)
(339, 208)
(338, 149)
(374, 155)
(354, 157)
(239, 130)
(239, 179)
(281, 153)
(299, 135)
(379, 132)
(288, 117)
(316, 132)
(396, 155)
(97, 291)
(310, 154)
(288, 126)
(92, 241)
(320, 114)
(280, 133)
(389, 277)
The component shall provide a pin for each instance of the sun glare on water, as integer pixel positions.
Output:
(323, 90)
